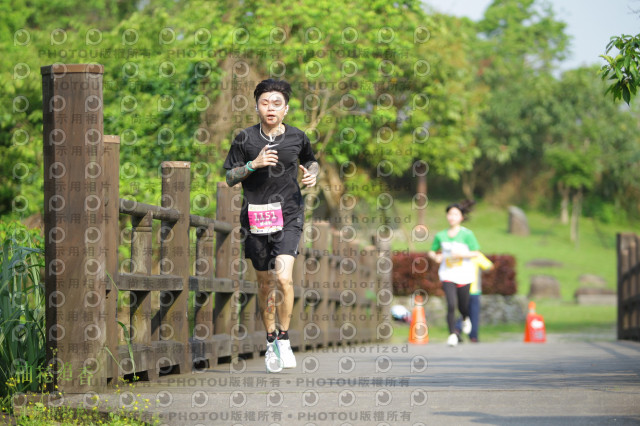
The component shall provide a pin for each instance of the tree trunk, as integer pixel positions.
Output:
(469, 184)
(575, 215)
(564, 205)
(421, 197)
(333, 188)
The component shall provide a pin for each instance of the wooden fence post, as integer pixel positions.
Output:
(228, 249)
(319, 279)
(628, 287)
(384, 291)
(632, 308)
(75, 270)
(623, 267)
(140, 311)
(111, 167)
(203, 315)
(367, 307)
(350, 294)
(337, 286)
(176, 186)
(296, 326)
(250, 333)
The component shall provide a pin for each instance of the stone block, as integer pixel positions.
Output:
(543, 263)
(592, 280)
(596, 296)
(544, 286)
(518, 223)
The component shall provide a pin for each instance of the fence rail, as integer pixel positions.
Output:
(108, 318)
(628, 287)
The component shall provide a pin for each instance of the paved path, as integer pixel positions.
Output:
(558, 382)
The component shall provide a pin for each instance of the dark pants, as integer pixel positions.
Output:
(474, 314)
(456, 296)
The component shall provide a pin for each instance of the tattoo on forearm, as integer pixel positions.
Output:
(237, 175)
(314, 168)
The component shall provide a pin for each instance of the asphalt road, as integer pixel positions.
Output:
(558, 382)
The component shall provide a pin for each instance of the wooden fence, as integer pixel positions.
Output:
(108, 319)
(628, 287)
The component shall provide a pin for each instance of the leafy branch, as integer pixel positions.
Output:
(623, 68)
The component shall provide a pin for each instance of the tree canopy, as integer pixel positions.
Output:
(379, 87)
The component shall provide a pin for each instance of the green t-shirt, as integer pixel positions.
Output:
(453, 268)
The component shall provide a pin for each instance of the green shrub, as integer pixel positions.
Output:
(22, 315)
(604, 212)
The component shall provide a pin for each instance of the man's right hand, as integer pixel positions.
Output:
(267, 157)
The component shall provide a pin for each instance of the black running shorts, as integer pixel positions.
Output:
(263, 249)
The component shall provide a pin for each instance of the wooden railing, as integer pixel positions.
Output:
(108, 319)
(628, 287)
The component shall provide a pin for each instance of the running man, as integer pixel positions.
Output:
(264, 157)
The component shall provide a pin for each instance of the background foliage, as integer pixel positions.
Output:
(479, 102)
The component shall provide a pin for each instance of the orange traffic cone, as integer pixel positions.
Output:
(534, 330)
(419, 331)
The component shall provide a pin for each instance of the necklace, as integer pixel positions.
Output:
(269, 137)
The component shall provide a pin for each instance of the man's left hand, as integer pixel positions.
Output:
(308, 178)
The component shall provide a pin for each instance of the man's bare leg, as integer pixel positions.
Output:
(284, 307)
(267, 299)
(284, 282)
(267, 303)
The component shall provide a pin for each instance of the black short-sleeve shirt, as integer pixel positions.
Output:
(278, 183)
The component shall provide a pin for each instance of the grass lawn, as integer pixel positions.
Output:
(593, 254)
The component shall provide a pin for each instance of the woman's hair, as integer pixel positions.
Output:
(465, 207)
(271, 85)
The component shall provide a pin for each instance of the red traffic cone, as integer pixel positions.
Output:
(534, 330)
(418, 331)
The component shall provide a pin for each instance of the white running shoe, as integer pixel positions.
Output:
(466, 326)
(452, 340)
(286, 354)
(272, 358)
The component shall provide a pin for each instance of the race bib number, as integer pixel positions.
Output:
(453, 262)
(265, 218)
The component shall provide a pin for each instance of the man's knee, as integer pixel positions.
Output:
(284, 282)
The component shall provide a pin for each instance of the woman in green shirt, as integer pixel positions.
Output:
(454, 248)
